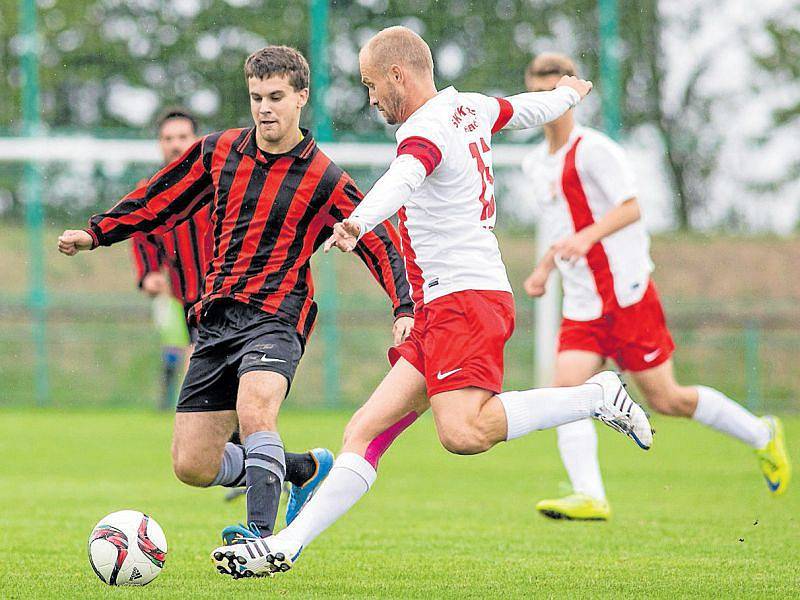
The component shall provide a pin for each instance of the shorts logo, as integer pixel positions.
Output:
(441, 375)
(267, 359)
(651, 356)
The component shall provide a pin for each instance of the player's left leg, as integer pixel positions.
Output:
(466, 333)
(715, 410)
(394, 405)
(472, 420)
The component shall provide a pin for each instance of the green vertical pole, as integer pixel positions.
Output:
(609, 67)
(34, 214)
(328, 299)
(752, 366)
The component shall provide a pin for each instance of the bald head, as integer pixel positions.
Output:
(398, 46)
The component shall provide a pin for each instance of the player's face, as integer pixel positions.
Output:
(275, 106)
(385, 93)
(542, 84)
(175, 137)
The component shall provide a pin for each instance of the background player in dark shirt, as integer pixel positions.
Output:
(274, 198)
(173, 264)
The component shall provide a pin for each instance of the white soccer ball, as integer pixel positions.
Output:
(127, 548)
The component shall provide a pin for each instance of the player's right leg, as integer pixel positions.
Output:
(714, 409)
(200, 456)
(577, 444)
(205, 419)
(393, 407)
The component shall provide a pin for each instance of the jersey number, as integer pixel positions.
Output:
(487, 179)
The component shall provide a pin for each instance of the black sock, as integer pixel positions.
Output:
(264, 471)
(300, 467)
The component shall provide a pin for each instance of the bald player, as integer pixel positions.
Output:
(591, 218)
(441, 185)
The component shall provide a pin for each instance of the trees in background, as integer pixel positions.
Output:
(718, 86)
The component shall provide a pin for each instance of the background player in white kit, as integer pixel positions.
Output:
(591, 220)
(441, 184)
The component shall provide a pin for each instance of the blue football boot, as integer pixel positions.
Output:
(300, 494)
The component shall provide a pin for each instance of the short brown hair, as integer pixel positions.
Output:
(551, 63)
(175, 112)
(278, 60)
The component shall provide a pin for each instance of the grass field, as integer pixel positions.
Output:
(692, 517)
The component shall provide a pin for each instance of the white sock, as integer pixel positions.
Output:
(577, 443)
(349, 479)
(716, 410)
(547, 407)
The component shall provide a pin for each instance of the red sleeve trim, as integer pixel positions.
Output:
(424, 150)
(506, 112)
(95, 240)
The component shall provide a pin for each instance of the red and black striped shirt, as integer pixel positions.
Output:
(185, 252)
(269, 213)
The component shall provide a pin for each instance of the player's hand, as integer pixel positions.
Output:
(154, 283)
(345, 236)
(573, 248)
(536, 283)
(582, 86)
(402, 329)
(73, 241)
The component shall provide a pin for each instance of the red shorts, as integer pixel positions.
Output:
(458, 340)
(636, 336)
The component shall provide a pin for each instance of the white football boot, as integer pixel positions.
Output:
(618, 410)
(262, 557)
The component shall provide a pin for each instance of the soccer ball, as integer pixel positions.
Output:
(127, 548)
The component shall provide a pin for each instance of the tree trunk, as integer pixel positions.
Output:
(676, 162)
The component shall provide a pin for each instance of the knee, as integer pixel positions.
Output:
(253, 418)
(464, 438)
(674, 403)
(191, 471)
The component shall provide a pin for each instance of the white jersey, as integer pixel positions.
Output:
(575, 187)
(447, 206)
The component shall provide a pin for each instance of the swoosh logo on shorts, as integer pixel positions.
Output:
(651, 356)
(441, 375)
(265, 358)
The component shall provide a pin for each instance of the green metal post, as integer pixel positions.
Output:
(328, 299)
(34, 213)
(752, 366)
(609, 67)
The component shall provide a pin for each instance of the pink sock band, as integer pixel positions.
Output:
(382, 442)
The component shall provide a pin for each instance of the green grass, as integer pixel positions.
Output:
(692, 517)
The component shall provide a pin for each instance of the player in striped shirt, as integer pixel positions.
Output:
(274, 198)
(591, 218)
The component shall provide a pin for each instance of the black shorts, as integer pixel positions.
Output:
(234, 339)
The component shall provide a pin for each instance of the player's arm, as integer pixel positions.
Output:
(578, 245)
(536, 283)
(168, 198)
(532, 109)
(607, 166)
(387, 196)
(379, 250)
(148, 260)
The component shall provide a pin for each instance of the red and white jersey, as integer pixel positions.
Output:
(575, 187)
(442, 186)
(448, 220)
